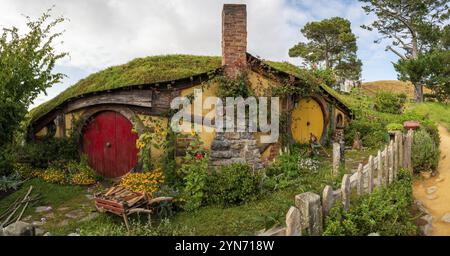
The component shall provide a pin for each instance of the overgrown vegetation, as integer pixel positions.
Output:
(27, 64)
(425, 153)
(233, 184)
(386, 211)
(389, 103)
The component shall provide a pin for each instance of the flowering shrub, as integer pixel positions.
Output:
(151, 138)
(53, 175)
(308, 164)
(194, 173)
(25, 171)
(148, 182)
(80, 173)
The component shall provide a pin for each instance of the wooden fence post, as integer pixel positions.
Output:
(370, 175)
(390, 161)
(386, 166)
(400, 150)
(310, 208)
(336, 158)
(395, 167)
(408, 151)
(359, 180)
(345, 190)
(293, 222)
(327, 199)
(380, 168)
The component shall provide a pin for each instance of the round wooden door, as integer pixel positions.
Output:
(307, 117)
(110, 144)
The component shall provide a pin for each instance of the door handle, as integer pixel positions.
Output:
(108, 144)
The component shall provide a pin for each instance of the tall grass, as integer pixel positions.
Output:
(437, 112)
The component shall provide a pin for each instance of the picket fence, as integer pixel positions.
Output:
(310, 210)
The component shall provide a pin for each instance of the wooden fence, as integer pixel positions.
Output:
(310, 209)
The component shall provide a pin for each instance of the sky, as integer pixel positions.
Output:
(103, 33)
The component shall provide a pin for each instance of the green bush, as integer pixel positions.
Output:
(6, 161)
(394, 127)
(233, 184)
(385, 211)
(12, 181)
(194, 183)
(425, 153)
(284, 171)
(372, 132)
(389, 103)
(42, 154)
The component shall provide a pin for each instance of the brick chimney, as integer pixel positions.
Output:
(234, 39)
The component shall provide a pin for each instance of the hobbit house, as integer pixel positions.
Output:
(108, 110)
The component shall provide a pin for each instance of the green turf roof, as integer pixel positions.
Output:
(138, 71)
(149, 70)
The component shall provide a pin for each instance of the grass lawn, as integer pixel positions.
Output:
(437, 112)
(62, 198)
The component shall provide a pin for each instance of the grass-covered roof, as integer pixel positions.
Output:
(148, 70)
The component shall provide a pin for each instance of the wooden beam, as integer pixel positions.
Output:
(140, 98)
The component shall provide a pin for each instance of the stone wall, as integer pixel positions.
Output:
(235, 147)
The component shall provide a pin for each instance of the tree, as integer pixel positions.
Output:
(26, 69)
(331, 45)
(413, 27)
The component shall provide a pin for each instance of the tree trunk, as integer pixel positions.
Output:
(418, 92)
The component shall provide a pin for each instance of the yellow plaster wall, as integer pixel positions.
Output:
(71, 119)
(42, 133)
(151, 121)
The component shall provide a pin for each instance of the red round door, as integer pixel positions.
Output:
(110, 144)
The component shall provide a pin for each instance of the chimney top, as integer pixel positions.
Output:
(234, 39)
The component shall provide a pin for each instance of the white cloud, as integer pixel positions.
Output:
(102, 33)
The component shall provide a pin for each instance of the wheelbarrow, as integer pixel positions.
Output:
(123, 202)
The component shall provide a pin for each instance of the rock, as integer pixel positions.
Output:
(446, 218)
(39, 232)
(440, 179)
(373, 234)
(27, 218)
(425, 175)
(47, 234)
(63, 223)
(75, 214)
(19, 228)
(431, 189)
(73, 234)
(41, 209)
(63, 209)
(90, 216)
(49, 215)
(421, 207)
(432, 197)
(426, 230)
(37, 223)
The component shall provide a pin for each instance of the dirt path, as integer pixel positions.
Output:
(437, 202)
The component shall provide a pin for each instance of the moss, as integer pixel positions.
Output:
(153, 69)
(304, 75)
(138, 71)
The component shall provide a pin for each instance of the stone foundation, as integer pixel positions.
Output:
(235, 147)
